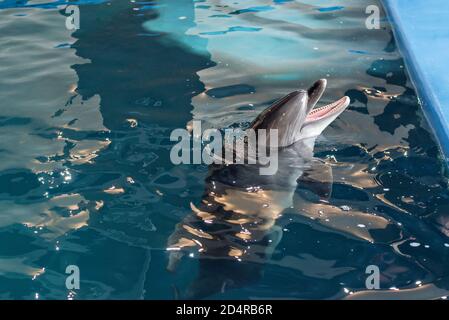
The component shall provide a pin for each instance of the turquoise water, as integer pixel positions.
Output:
(85, 173)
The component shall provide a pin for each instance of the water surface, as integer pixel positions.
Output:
(85, 120)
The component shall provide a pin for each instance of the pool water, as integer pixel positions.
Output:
(85, 173)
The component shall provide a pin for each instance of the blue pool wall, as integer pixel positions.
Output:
(421, 29)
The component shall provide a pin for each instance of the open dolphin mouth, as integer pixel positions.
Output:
(327, 110)
(295, 116)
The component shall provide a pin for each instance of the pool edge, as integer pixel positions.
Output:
(430, 100)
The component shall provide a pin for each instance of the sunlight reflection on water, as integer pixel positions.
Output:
(85, 176)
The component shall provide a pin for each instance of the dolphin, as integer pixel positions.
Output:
(233, 229)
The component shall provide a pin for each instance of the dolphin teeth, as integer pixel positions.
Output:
(320, 112)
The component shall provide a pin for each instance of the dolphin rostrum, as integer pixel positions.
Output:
(233, 230)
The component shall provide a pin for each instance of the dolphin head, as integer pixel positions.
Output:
(295, 116)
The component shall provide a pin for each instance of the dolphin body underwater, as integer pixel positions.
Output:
(233, 229)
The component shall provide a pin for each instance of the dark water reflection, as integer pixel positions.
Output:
(92, 183)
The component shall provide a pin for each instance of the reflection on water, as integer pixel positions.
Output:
(85, 176)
